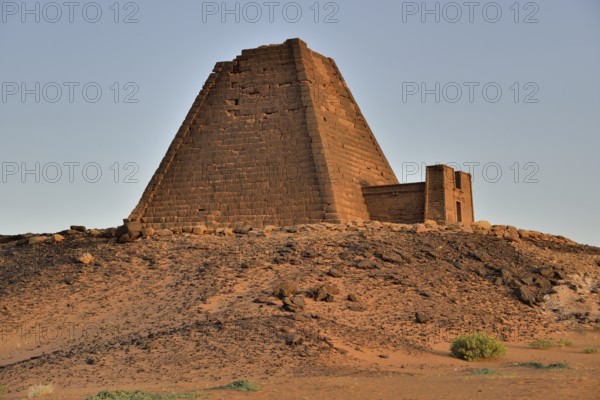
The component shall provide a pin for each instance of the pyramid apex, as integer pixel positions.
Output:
(296, 41)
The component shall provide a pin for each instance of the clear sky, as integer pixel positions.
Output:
(508, 90)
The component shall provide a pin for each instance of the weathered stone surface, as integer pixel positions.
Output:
(85, 258)
(481, 225)
(199, 229)
(293, 303)
(422, 317)
(284, 289)
(323, 162)
(526, 295)
(38, 239)
(324, 292)
(148, 232)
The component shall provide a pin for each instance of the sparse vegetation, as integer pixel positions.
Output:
(590, 350)
(240, 386)
(545, 344)
(477, 346)
(482, 371)
(564, 343)
(539, 365)
(39, 391)
(542, 344)
(140, 395)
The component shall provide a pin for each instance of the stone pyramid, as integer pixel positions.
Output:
(274, 137)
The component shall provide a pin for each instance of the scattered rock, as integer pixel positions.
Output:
(374, 225)
(37, 239)
(481, 225)
(324, 292)
(356, 307)
(391, 258)
(507, 275)
(224, 231)
(293, 339)
(267, 230)
(199, 229)
(527, 280)
(420, 228)
(164, 232)
(512, 234)
(78, 228)
(242, 230)
(546, 272)
(352, 297)
(86, 258)
(308, 254)
(121, 230)
(335, 272)
(90, 361)
(58, 238)
(429, 223)
(383, 356)
(284, 289)
(293, 303)
(148, 232)
(542, 283)
(422, 317)
(526, 295)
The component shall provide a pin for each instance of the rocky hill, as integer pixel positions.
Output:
(213, 303)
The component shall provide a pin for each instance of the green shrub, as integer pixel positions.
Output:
(590, 350)
(542, 344)
(540, 365)
(140, 395)
(476, 346)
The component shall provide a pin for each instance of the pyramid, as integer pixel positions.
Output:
(274, 137)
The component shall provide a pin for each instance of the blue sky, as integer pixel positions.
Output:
(102, 87)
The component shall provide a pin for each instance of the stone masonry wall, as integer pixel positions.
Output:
(354, 158)
(403, 203)
(261, 145)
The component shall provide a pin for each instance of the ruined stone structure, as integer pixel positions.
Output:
(275, 137)
(444, 197)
